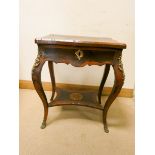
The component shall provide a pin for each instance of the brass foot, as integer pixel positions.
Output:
(43, 125)
(106, 128)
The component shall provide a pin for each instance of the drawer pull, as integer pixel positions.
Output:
(79, 54)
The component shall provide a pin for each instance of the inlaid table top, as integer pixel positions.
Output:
(80, 41)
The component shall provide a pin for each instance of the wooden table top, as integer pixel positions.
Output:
(54, 39)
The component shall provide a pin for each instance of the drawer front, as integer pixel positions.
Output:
(79, 57)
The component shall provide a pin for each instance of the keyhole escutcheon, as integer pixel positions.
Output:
(79, 54)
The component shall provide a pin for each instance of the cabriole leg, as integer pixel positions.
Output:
(118, 83)
(104, 78)
(36, 78)
(51, 70)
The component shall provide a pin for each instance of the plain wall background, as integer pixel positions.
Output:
(99, 18)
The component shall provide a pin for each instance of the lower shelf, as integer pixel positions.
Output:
(76, 97)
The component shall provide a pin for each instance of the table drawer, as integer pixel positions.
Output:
(79, 57)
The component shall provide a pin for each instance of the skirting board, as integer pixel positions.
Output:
(25, 84)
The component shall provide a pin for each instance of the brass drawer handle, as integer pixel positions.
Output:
(79, 54)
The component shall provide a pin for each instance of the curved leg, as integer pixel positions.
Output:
(36, 78)
(119, 80)
(104, 78)
(51, 70)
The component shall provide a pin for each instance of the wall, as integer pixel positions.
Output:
(102, 18)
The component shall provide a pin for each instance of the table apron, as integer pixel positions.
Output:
(86, 57)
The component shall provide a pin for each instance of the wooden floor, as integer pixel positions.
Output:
(75, 130)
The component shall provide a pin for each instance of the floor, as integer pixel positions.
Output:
(75, 130)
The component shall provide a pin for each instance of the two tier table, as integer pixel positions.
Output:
(78, 51)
